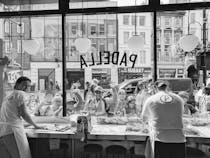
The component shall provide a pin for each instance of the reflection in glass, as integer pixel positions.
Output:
(104, 3)
(46, 76)
(181, 1)
(27, 5)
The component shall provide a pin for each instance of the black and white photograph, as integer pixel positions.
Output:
(104, 78)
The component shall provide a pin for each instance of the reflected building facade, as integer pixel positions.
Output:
(107, 32)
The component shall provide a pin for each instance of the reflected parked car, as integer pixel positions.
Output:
(129, 85)
(175, 84)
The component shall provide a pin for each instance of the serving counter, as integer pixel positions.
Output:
(49, 143)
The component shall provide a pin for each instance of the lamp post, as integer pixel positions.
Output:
(203, 55)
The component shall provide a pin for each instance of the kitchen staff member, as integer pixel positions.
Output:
(12, 135)
(163, 111)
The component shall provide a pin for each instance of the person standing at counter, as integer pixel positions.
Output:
(13, 140)
(164, 111)
(121, 103)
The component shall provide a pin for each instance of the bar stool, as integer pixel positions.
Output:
(93, 150)
(194, 153)
(61, 151)
(133, 155)
(116, 151)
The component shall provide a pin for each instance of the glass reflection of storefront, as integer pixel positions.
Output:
(167, 73)
(103, 75)
(130, 73)
(75, 76)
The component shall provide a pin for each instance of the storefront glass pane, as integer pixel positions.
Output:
(108, 60)
(178, 58)
(33, 45)
(27, 5)
(181, 1)
(73, 4)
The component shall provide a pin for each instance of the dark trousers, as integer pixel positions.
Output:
(169, 150)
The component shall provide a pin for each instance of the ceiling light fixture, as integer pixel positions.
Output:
(83, 44)
(136, 42)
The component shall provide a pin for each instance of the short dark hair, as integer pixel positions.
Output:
(21, 80)
(161, 84)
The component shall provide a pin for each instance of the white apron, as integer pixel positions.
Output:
(20, 138)
(150, 144)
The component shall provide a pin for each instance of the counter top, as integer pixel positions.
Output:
(111, 132)
(196, 130)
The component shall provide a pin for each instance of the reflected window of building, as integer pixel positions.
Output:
(102, 45)
(178, 21)
(126, 19)
(101, 29)
(19, 49)
(142, 20)
(168, 21)
(192, 17)
(125, 37)
(93, 30)
(142, 34)
(73, 29)
(142, 57)
(103, 75)
(133, 20)
(6, 26)
(7, 46)
(177, 36)
(158, 21)
(158, 53)
(158, 36)
(20, 28)
(167, 36)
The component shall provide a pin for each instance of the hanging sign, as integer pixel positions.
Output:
(13, 76)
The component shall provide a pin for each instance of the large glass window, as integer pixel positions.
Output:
(126, 19)
(33, 45)
(108, 58)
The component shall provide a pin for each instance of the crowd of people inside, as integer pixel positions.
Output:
(114, 101)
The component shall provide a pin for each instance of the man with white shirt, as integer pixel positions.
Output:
(164, 112)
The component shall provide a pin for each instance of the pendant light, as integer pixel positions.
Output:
(136, 42)
(188, 42)
(82, 44)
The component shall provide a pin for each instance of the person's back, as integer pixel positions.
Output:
(166, 110)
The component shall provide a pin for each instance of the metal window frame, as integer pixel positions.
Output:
(154, 6)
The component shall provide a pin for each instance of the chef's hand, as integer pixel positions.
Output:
(40, 127)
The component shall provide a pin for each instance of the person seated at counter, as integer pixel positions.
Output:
(121, 103)
(55, 109)
(76, 103)
(131, 106)
(97, 104)
(204, 102)
(188, 108)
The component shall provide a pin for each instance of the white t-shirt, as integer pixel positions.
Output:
(164, 112)
(9, 110)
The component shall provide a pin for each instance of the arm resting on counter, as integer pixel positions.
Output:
(23, 112)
